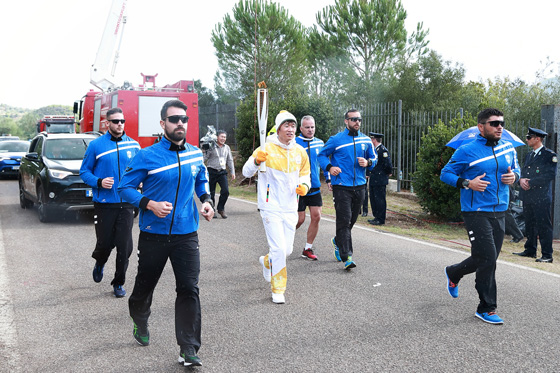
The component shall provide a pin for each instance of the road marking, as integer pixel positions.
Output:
(462, 252)
(8, 337)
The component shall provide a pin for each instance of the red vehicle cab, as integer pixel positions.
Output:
(141, 107)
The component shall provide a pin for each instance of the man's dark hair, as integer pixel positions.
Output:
(172, 103)
(487, 113)
(350, 111)
(114, 111)
(220, 132)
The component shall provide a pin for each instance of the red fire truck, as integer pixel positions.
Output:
(56, 124)
(141, 105)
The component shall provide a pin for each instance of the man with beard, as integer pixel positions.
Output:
(104, 163)
(482, 169)
(346, 156)
(171, 171)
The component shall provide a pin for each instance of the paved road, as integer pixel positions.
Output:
(392, 313)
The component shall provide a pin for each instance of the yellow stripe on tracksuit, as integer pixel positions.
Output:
(278, 202)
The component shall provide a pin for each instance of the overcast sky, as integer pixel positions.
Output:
(48, 46)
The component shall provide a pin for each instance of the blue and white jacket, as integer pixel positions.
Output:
(474, 159)
(107, 156)
(170, 173)
(313, 146)
(342, 150)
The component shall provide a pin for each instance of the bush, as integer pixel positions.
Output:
(297, 103)
(435, 196)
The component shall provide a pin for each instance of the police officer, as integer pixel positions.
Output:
(537, 174)
(378, 180)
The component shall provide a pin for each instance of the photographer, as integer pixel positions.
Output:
(217, 155)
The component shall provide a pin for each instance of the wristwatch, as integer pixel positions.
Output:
(466, 183)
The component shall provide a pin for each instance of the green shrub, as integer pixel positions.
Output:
(436, 197)
(297, 103)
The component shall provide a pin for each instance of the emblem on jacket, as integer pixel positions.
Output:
(129, 154)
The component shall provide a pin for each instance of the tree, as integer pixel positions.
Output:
(371, 36)
(205, 95)
(8, 127)
(298, 103)
(261, 40)
(430, 83)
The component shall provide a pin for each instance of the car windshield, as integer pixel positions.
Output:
(60, 128)
(67, 149)
(14, 146)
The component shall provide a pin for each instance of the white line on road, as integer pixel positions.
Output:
(8, 337)
(462, 252)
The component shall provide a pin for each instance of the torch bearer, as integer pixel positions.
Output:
(262, 117)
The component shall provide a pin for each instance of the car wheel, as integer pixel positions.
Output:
(24, 203)
(42, 207)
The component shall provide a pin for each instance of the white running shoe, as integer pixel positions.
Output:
(278, 298)
(266, 271)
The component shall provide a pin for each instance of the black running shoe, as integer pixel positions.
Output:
(141, 333)
(188, 357)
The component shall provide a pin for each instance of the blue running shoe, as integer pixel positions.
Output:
(336, 251)
(119, 291)
(452, 288)
(98, 272)
(348, 264)
(489, 317)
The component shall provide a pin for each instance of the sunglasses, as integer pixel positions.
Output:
(116, 121)
(176, 118)
(355, 119)
(496, 123)
(529, 137)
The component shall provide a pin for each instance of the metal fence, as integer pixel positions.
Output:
(222, 117)
(403, 130)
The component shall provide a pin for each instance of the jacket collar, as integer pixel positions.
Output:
(171, 145)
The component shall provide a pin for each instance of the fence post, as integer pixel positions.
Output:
(399, 153)
(550, 122)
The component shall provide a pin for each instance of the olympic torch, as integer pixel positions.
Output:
(262, 117)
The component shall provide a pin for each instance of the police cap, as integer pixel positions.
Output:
(376, 135)
(536, 132)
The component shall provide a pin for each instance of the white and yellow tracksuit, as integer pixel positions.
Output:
(287, 166)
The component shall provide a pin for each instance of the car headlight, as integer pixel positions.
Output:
(57, 174)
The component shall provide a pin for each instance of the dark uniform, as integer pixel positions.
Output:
(378, 180)
(540, 169)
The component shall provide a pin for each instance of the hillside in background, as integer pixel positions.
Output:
(21, 122)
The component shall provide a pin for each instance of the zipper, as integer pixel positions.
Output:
(354, 164)
(176, 194)
(119, 165)
(497, 181)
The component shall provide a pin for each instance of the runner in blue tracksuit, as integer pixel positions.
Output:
(171, 172)
(346, 156)
(103, 165)
(312, 199)
(483, 169)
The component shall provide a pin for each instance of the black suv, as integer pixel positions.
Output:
(49, 174)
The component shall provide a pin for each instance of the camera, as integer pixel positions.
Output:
(209, 141)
